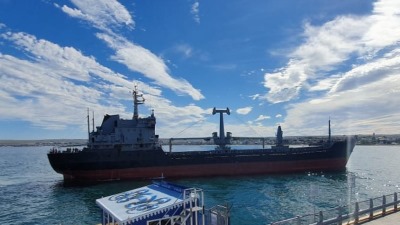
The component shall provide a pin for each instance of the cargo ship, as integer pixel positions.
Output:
(126, 149)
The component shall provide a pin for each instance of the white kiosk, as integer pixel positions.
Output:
(156, 204)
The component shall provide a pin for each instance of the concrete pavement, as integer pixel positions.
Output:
(391, 219)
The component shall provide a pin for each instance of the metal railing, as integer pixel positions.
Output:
(217, 215)
(352, 213)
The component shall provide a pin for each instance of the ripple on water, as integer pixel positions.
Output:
(32, 193)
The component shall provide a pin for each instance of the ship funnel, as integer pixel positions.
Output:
(279, 137)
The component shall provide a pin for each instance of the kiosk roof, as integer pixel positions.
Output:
(141, 203)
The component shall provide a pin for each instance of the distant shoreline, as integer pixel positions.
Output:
(46, 142)
(164, 141)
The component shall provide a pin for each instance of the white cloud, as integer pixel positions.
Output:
(224, 66)
(34, 92)
(56, 84)
(325, 48)
(364, 100)
(37, 90)
(324, 84)
(383, 27)
(244, 111)
(195, 12)
(367, 109)
(388, 65)
(68, 62)
(278, 115)
(255, 96)
(103, 14)
(285, 84)
(330, 45)
(262, 117)
(142, 60)
(185, 49)
(360, 99)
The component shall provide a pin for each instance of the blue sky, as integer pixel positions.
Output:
(293, 63)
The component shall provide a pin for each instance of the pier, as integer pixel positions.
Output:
(393, 219)
(375, 211)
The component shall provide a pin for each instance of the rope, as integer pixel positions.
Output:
(247, 125)
(195, 123)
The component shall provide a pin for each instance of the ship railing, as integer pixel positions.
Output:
(266, 151)
(358, 212)
(210, 140)
(57, 150)
(54, 150)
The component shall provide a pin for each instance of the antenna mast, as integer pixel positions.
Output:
(88, 124)
(329, 130)
(93, 120)
(136, 102)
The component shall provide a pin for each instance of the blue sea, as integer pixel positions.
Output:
(32, 193)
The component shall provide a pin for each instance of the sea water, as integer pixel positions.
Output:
(32, 193)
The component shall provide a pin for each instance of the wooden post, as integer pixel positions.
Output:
(383, 205)
(340, 219)
(357, 208)
(298, 220)
(371, 209)
(321, 218)
(395, 201)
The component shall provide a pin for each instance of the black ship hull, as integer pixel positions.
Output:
(115, 164)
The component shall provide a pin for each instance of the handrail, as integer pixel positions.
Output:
(352, 216)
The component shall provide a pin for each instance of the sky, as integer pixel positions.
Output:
(291, 63)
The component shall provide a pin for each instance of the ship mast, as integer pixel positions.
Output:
(93, 120)
(88, 123)
(329, 130)
(136, 102)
